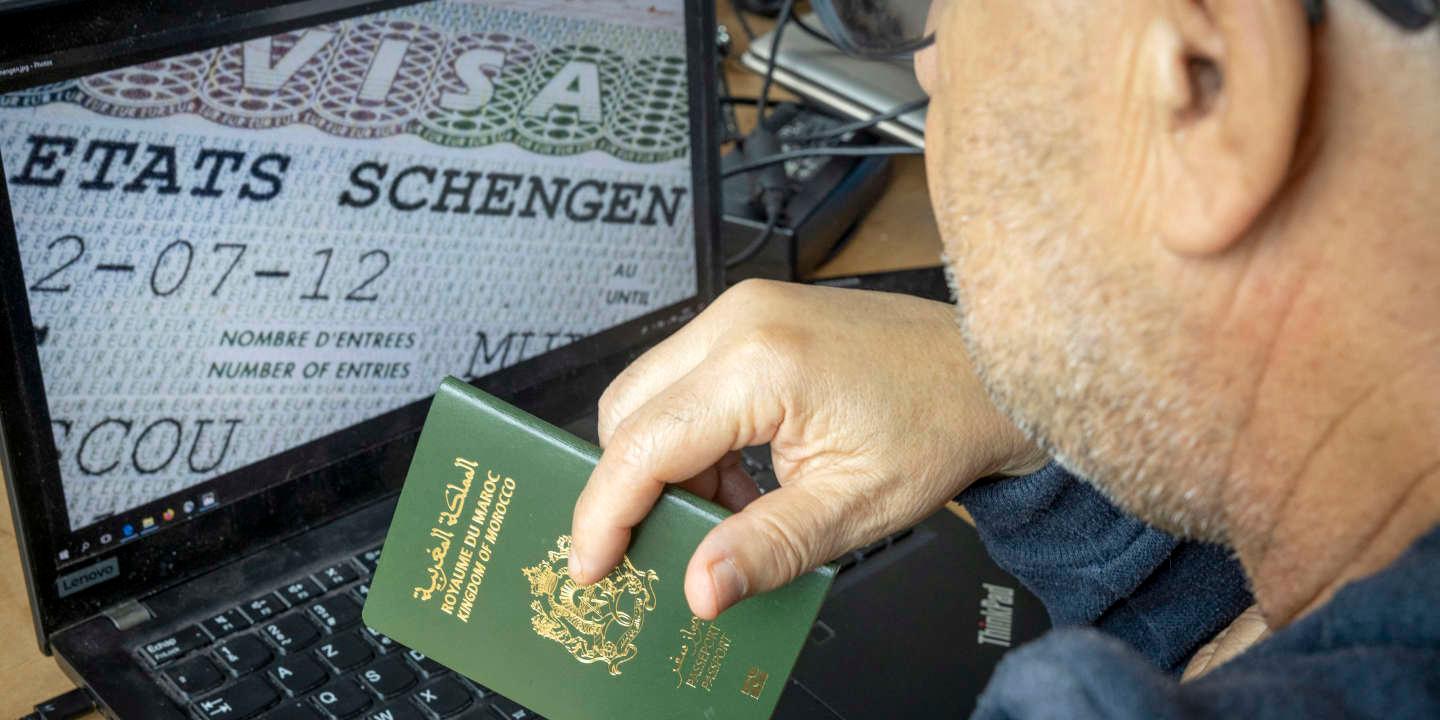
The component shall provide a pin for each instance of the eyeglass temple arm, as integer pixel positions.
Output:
(1408, 14)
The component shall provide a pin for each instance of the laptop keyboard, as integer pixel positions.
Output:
(300, 652)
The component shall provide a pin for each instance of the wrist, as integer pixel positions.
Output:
(1027, 459)
(1010, 452)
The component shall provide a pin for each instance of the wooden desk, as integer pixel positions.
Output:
(900, 233)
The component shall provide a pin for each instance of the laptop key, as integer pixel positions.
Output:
(292, 633)
(369, 559)
(299, 674)
(264, 607)
(169, 648)
(382, 641)
(362, 591)
(195, 675)
(507, 709)
(295, 710)
(444, 697)
(239, 701)
(227, 623)
(477, 688)
(337, 575)
(427, 665)
(336, 613)
(244, 654)
(389, 677)
(301, 591)
(397, 711)
(345, 652)
(342, 698)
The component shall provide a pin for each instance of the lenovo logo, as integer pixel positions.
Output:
(85, 577)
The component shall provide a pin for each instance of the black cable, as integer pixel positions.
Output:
(786, 11)
(732, 130)
(858, 125)
(773, 188)
(810, 30)
(728, 119)
(755, 245)
(744, 23)
(874, 150)
(771, 184)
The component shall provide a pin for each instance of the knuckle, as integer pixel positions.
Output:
(611, 405)
(752, 290)
(676, 409)
(629, 472)
(774, 345)
(748, 299)
(642, 438)
(632, 450)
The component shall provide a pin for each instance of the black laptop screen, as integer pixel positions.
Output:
(236, 251)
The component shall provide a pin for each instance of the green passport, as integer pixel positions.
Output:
(473, 574)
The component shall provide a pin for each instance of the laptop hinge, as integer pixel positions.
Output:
(128, 614)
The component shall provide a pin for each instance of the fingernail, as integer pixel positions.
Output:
(729, 582)
(576, 567)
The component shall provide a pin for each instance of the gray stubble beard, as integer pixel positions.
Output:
(1095, 396)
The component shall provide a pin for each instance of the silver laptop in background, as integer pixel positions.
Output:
(854, 87)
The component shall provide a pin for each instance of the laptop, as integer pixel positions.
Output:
(241, 242)
(853, 87)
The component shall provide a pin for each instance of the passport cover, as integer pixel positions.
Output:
(473, 574)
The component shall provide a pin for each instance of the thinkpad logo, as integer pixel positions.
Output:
(997, 612)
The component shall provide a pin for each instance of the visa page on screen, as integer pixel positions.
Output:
(236, 251)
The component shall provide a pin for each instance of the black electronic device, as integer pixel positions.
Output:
(824, 198)
(768, 8)
(9, 5)
(927, 282)
(202, 199)
(862, 660)
(59, 138)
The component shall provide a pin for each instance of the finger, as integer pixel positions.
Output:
(711, 480)
(775, 539)
(704, 485)
(683, 430)
(736, 488)
(658, 368)
(680, 353)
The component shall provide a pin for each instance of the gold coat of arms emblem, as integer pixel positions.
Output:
(595, 623)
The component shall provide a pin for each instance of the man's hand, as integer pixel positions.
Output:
(873, 415)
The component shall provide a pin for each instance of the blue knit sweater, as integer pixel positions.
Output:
(1131, 604)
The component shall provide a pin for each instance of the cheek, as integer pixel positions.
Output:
(925, 70)
(1003, 147)
(934, 155)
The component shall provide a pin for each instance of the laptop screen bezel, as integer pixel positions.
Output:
(324, 489)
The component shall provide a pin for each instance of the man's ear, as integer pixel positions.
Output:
(1230, 78)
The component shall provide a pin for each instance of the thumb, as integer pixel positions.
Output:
(773, 540)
